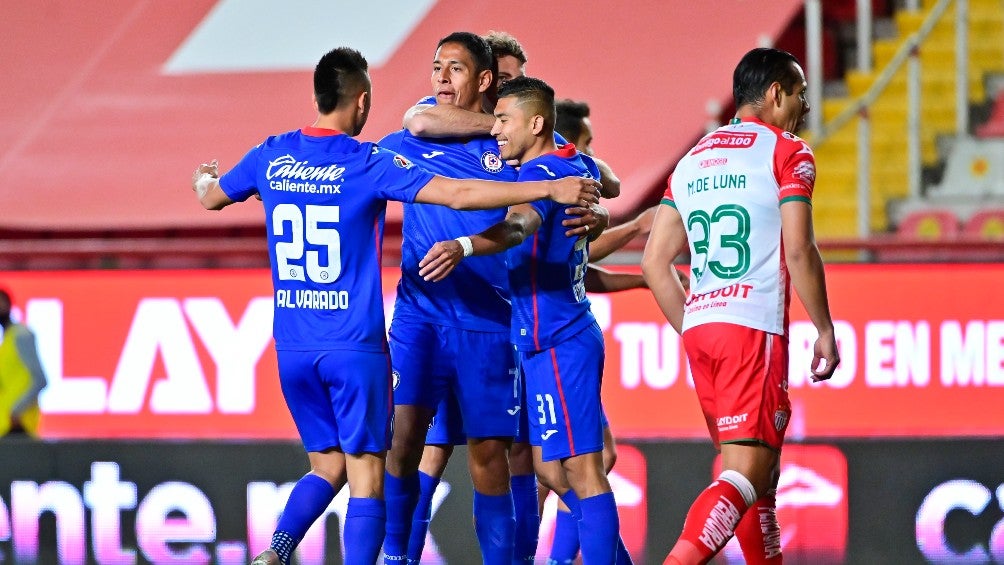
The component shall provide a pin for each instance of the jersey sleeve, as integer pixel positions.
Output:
(667, 196)
(537, 173)
(394, 177)
(795, 167)
(241, 182)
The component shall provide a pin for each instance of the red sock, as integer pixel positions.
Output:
(758, 532)
(710, 523)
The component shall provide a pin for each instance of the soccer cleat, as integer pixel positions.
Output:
(267, 557)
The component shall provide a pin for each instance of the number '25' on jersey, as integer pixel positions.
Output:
(325, 196)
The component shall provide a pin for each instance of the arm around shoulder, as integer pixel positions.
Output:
(440, 120)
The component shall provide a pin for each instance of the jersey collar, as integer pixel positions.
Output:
(566, 151)
(319, 132)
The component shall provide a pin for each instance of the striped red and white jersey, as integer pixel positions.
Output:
(729, 190)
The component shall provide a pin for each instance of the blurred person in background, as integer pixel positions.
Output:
(741, 199)
(21, 375)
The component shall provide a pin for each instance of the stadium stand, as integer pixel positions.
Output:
(835, 201)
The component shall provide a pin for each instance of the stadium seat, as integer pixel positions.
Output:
(931, 225)
(975, 168)
(994, 126)
(986, 224)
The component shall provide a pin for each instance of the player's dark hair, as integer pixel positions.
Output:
(760, 68)
(479, 49)
(532, 92)
(338, 76)
(570, 114)
(6, 295)
(503, 44)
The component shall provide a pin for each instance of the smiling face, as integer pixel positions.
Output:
(455, 79)
(513, 129)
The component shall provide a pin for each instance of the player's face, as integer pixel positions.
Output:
(509, 68)
(455, 79)
(794, 107)
(513, 129)
(584, 143)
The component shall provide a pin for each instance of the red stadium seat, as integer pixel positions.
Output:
(931, 224)
(994, 126)
(986, 224)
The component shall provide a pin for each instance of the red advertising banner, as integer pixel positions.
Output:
(188, 354)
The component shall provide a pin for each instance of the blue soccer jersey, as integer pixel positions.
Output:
(325, 195)
(547, 271)
(476, 294)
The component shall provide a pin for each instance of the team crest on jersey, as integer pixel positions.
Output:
(402, 162)
(491, 162)
(395, 379)
(806, 172)
(780, 420)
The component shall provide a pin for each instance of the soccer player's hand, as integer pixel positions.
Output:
(586, 220)
(575, 190)
(825, 350)
(440, 260)
(203, 174)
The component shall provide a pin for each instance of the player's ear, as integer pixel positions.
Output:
(485, 80)
(774, 93)
(537, 124)
(313, 98)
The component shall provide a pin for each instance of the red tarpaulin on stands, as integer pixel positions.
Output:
(101, 126)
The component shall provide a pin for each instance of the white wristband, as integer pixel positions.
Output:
(466, 245)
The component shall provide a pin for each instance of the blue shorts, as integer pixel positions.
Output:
(447, 425)
(339, 399)
(563, 393)
(523, 435)
(430, 361)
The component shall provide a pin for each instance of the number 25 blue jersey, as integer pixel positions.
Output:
(325, 195)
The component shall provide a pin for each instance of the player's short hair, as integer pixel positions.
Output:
(340, 74)
(568, 121)
(479, 49)
(503, 44)
(760, 68)
(533, 94)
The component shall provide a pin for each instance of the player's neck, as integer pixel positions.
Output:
(334, 121)
(542, 145)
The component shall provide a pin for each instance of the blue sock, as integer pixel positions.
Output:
(495, 524)
(565, 546)
(423, 515)
(572, 502)
(623, 557)
(599, 528)
(401, 496)
(308, 500)
(364, 530)
(524, 500)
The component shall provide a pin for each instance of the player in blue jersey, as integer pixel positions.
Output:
(453, 337)
(324, 195)
(559, 343)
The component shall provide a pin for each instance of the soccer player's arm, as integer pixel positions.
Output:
(601, 280)
(520, 222)
(28, 352)
(666, 242)
(445, 120)
(476, 194)
(618, 236)
(611, 184)
(801, 255)
(206, 184)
